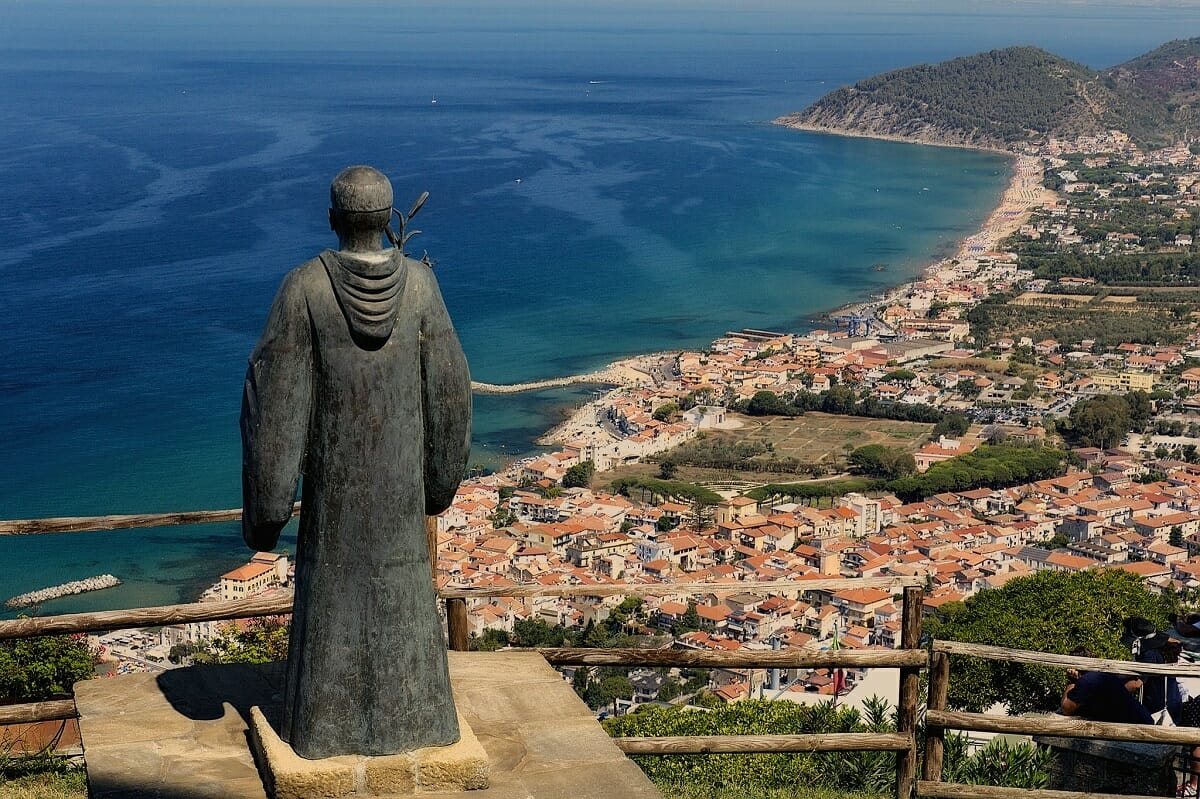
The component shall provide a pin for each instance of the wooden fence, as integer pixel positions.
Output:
(938, 719)
(909, 660)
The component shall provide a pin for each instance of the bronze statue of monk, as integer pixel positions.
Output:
(359, 384)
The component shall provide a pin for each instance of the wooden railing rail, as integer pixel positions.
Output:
(1064, 661)
(1062, 726)
(145, 617)
(755, 659)
(909, 660)
(938, 719)
(895, 584)
(769, 744)
(31, 712)
(85, 524)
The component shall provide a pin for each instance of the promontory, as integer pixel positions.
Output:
(1006, 99)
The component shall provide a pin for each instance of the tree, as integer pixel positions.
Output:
(181, 652)
(664, 523)
(34, 669)
(534, 631)
(689, 622)
(667, 469)
(629, 611)
(1046, 612)
(997, 435)
(766, 403)
(880, 461)
(1100, 422)
(263, 640)
(669, 690)
(1176, 537)
(489, 641)
(502, 517)
(952, 425)
(581, 680)
(1140, 407)
(838, 399)
(614, 688)
(666, 412)
(579, 475)
(899, 376)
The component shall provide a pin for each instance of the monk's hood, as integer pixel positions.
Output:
(368, 294)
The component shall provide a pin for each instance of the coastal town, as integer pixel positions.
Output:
(908, 374)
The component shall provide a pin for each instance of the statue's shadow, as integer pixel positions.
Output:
(202, 692)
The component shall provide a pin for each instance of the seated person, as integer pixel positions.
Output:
(1149, 646)
(1101, 696)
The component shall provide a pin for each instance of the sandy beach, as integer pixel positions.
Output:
(580, 427)
(1023, 193)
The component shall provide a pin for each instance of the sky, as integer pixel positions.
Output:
(1072, 29)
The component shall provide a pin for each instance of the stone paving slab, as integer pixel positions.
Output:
(184, 734)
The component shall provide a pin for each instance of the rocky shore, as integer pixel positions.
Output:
(97, 583)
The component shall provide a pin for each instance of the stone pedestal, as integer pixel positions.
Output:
(1120, 767)
(462, 766)
(186, 733)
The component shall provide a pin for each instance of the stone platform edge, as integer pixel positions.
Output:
(461, 766)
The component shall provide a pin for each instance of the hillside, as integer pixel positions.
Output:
(1002, 98)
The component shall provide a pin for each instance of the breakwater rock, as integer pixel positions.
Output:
(66, 589)
(605, 377)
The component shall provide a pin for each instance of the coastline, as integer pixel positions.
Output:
(808, 127)
(1024, 190)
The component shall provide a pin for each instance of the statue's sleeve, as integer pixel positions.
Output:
(276, 400)
(446, 401)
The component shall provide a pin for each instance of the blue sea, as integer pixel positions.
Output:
(602, 180)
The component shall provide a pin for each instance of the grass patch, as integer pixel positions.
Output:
(70, 784)
(671, 791)
(819, 437)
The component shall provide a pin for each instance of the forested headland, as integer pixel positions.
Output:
(1004, 98)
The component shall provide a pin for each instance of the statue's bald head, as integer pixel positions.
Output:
(361, 189)
(360, 200)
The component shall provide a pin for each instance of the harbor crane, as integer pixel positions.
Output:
(856, 323)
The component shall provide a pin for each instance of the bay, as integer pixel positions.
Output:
(597, 190)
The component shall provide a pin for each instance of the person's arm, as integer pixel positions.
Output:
(276, 398)
(446, 401)
(1068, 707)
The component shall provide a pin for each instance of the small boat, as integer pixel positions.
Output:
(880, 267)
(518, 180)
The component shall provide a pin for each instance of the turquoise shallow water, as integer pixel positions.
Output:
(154, 191)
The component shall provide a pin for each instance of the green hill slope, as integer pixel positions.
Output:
(1020, 94)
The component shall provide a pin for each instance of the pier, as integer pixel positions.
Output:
(605, 377)
(97, 583)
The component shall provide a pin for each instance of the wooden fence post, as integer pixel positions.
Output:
(910, 690)
(456, 624)
(935, 737)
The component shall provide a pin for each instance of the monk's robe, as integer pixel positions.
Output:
(360, 385)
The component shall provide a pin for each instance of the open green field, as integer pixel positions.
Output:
(815, 437)
(823, 437)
